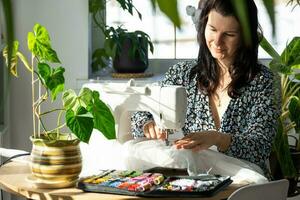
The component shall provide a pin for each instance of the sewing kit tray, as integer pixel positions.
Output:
(153, 184)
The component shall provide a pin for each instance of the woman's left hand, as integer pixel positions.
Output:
(198, 140)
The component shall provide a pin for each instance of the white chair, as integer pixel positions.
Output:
(274, 190)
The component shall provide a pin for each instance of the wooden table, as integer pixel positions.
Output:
(13, 179)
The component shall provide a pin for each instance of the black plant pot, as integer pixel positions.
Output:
(126, 63)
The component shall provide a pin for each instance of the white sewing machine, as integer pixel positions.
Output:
(166, 104)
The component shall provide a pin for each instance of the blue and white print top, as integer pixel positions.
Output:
(251, 119)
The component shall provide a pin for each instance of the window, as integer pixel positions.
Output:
(287, 25)
(168, 42)
(182, 44)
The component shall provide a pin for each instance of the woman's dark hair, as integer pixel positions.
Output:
(245, 66)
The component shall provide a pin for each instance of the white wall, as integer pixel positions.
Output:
(67, 23)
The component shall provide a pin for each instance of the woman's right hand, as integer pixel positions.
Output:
(152, 131)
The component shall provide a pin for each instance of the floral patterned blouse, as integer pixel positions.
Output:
(250, 119)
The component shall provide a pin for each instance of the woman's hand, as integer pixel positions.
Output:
(204, 140)
(152, 131)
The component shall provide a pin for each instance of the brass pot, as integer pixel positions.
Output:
(55, 161)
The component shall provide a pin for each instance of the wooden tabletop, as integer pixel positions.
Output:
(13, 179)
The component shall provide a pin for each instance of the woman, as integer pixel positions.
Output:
(231, 97)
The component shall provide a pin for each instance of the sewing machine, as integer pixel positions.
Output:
(167, 104)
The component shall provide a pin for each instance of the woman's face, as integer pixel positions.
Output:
(223, 37)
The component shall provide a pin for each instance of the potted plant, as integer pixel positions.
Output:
(287, 65)
(55, 155)
(128, 50)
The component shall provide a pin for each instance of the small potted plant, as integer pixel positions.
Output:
(128, 50)
(56, 156)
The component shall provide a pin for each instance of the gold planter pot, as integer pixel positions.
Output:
(55, 163)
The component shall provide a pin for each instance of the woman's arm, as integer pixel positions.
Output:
(203, 140)
(254, 141)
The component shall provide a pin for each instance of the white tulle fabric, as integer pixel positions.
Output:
(141, 154)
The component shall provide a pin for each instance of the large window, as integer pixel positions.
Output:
(180, 44)
(168, 42)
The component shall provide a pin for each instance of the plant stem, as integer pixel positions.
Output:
(33, 96)
(38, 103)
(39, 109)
(288, 91)
(285, 114)
(284, 83)
(59, 127)
(58, 121)
(50, 111)
(42, 123)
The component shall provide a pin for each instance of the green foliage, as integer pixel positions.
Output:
(283, 154)
(269, 5)
(242, 13)
(294, 108)
(52, 78)
(128, 5)
(169, 8)
(286, 65)
(80, 123)
(103, 118)
(87, 110)
(83, 112)
(291, 54)
(115, 37)
(39, 44)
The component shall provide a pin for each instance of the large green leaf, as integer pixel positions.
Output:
(52, 78)
(243, 15)
(80, 123)
(72, 101)
(44, 72)
(269, 5)
(69, 98)
(288, 60)
(280, 67)
(103, 118)
(265, 44)
(291, 54)
(169, 8)
(39, 44)
(85, 97)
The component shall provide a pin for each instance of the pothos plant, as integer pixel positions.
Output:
(83, 112)
(288, 66)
